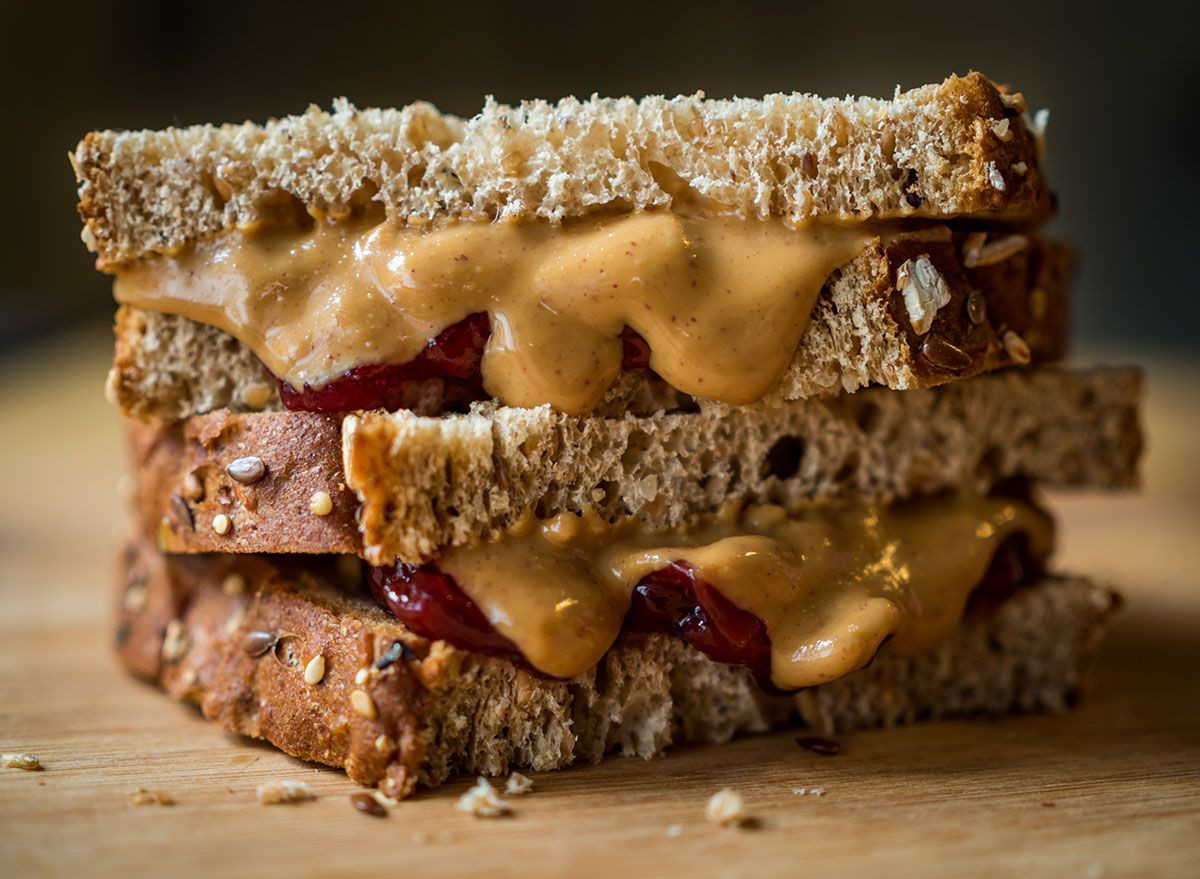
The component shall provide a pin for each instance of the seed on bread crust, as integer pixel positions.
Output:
(321, 504)
(175, 641)
(247, 471)
(315, 670)
(363, 704)
(1016, 348)
(221, 524)
(258, 642)
(944, 354)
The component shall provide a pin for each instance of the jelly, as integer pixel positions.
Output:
(671, 601)
(446, 376)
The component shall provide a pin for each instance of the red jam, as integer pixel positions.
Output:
(671, 601)
(446, 376)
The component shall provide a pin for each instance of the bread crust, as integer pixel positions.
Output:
(436, 710)
(169, 367)
(423, 483)
(962, 147)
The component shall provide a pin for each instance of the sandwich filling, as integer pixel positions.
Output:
(801, 599)
(532, 312)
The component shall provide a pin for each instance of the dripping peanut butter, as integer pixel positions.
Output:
(721, 301)
(830, 583)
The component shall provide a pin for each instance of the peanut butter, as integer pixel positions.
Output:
(830, 583)
(722, 301)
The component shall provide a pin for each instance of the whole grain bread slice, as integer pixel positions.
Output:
(1008, 306)
(404, 486)
(238, 635)
(961, 147)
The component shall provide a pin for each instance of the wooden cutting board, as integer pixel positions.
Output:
(1110, 789)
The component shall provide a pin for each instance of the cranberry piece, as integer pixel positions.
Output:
(673, 600)
(1013, 564)
(635, 351)
(432, 605)
(446, 376)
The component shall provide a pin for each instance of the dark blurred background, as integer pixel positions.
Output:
(1121, 82)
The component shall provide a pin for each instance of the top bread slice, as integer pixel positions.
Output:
(963, 147)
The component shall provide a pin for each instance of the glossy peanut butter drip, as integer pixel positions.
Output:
(830, 583)
(722, 301)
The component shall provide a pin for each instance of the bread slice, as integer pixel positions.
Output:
(168, 367)
(405, 486)
(427, 710)
(961, 147)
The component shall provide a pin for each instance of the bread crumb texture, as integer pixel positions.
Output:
(936, 151)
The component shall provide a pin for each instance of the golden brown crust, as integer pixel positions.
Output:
(433, 710)
(962, 147)
(183, 484)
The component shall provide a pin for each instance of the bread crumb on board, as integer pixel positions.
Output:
(28, 762)
(726, 807)
(143, 797)
(275, 792)
(518, 785)
(482, 802)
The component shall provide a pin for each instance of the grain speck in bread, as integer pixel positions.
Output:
(442, 711)
(932, 151)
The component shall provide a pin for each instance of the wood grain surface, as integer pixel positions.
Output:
(1110, 789)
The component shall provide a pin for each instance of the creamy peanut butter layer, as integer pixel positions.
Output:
(721, 301)
(830, 584)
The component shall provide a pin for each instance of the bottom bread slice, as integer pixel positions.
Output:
(291, 650)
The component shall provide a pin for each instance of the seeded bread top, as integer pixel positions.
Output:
(962, 147)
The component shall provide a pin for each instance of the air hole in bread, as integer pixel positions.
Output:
(287, 651)
(784, 457)
(867, 417)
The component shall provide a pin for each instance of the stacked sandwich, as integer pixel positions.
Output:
(599, 425)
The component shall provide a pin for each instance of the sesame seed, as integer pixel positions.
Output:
(221, 524)
(315, 670)
(1016, 348)
(360, 677)
(136, 596)
(175, 641)
(321, 504)
(363, 704)
(234, 584)
(384, 744)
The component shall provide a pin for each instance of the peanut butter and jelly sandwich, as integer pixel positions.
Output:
(594, 426)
